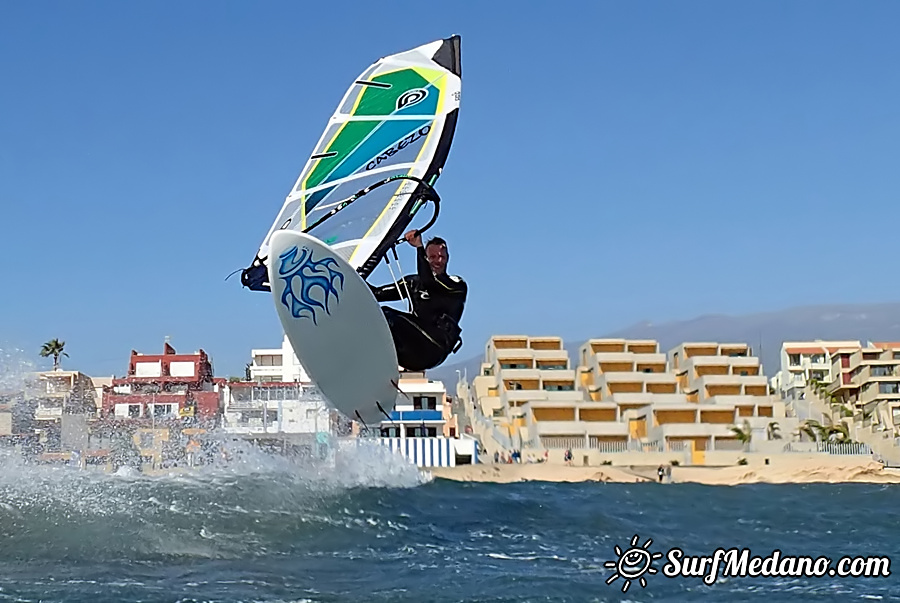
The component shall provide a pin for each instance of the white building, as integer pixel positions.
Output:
(279, 398)
(275, 408)
(422, 427)
(421, 410)
(803, 361)
(279, 364)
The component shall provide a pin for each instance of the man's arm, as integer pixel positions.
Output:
(423, 269)
(393, 291)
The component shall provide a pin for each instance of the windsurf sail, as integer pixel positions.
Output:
(395, 123)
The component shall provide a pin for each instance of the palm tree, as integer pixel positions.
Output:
(54, 348)
(813, 384)
(772, 430)
(811, 428)
(840, 433)
(743, 434)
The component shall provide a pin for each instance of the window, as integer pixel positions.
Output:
(390, 432)
(162, 410)
(268, 360)
(889, 388)
(882, 371)
(134, 410)
(425, 402)
(559, 387)
(794, 359)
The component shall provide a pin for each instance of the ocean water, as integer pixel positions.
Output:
(370, 527)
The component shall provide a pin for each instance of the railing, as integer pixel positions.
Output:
(844, 448)
(595, 443)
(849, 448)
(676, 446)
(562, 442)
(730, 445)
(653, 446)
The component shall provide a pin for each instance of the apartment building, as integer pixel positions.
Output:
(165, 387)
(867, 382)
(629, 396)
(619, 379)
(527, 387)
(724, 385)
(278, 365)
(61, 393)
(805, 361)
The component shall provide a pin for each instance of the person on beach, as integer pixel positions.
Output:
(660, 471)
(424, 338)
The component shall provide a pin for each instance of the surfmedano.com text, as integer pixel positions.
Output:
(741, 563)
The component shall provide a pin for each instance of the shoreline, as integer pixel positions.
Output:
(804, 471)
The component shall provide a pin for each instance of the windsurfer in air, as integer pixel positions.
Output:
(424, 338)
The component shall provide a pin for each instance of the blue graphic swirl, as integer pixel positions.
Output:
(300, 263)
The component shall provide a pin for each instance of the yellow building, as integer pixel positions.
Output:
(527, 385)
(626, 396)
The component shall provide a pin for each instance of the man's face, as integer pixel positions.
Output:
(437, 258)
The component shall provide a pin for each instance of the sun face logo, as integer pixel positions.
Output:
(633, 563)
(411, 97)
(299, 263)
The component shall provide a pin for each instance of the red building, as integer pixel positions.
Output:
(165, 386)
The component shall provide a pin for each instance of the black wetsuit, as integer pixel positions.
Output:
(426, 337)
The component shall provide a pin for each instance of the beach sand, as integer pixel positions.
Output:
(830, 470)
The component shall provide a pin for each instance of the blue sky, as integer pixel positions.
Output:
(614, 161)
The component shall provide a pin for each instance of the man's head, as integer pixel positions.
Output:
(437, 255)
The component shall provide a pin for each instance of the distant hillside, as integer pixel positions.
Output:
(764, 331)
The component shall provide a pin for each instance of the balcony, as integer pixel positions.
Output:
(508, 343)
(692, 430)
(549, 375)
(724, 400)
(526, 395)
(606, 346)
(560, 355)
(579, 428)
(405, 416)
(48, 413)
(520, 374)
(563, 396)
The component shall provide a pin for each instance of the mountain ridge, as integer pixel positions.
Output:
(763, 331)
